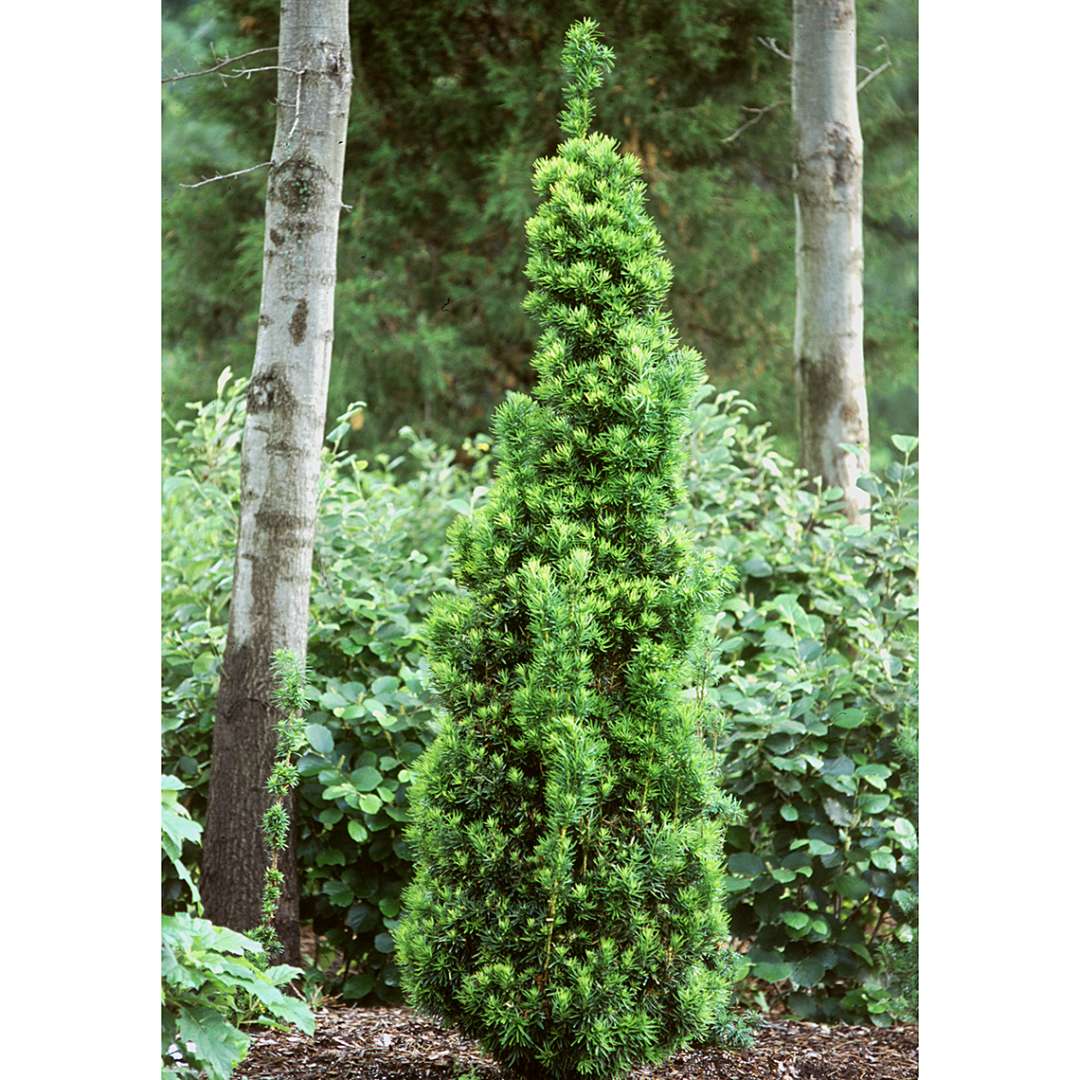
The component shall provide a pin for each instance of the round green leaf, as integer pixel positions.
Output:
(358, 986)
(874, 804)
(366, 778)
(849, 718)
(838, 766)
(338, 791)
(771, 971)
(883, 859)
(808, 971)
(854, 888)
(320, 738)
(756, 567)
(904, 829)
(746, 864)
(375, 707)
(339, 893)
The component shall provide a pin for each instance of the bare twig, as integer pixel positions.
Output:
(883, 46)
(218, 66)
(228, 176)
(756, 115)
(873, 75)
(771, 45)
(245, 73)
(296, 108)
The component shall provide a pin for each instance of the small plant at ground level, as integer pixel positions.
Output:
(177, 827)
(289, 685)
(567, 907)
(212, 979)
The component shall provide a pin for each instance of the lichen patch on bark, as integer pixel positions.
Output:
(260, 392)
(297, 185)
(298, 322)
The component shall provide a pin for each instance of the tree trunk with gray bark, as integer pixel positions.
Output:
(829, 375)
(283, 435)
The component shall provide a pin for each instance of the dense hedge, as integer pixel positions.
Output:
(811, 666)
(814, 670)
(378, 560)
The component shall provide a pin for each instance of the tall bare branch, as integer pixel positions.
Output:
(217, 67)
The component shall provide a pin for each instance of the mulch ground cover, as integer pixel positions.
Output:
(399, 1044)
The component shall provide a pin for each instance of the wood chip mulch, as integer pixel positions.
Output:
(399, 1044)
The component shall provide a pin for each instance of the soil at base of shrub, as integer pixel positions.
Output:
(399, 1044)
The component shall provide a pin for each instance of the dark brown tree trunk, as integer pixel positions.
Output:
(234, 860)
(283, 434)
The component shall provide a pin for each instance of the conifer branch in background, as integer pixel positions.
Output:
(289, 684)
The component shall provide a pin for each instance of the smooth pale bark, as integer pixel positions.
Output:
(829, 375)
(283, 435)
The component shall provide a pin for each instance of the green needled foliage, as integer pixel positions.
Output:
(289, 682)
(567, 907)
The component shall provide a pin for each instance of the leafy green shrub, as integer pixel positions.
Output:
(200, 509)
(379, 558)
(813, 664)
(212, 979)
(177, 829)
(212, 982)
(900, 954)
(567, 907)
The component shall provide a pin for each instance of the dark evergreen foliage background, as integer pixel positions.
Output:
(453, 102)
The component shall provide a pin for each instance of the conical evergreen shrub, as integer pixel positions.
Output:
(567, 907)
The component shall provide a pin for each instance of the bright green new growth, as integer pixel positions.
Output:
(586, 61)
(567, 907)
(289, 682)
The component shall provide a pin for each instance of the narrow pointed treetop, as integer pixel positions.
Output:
(567, 908)
(586, 60)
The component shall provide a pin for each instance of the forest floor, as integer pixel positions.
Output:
(399, 1044)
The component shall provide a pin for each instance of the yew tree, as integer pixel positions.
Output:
(567, 908)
